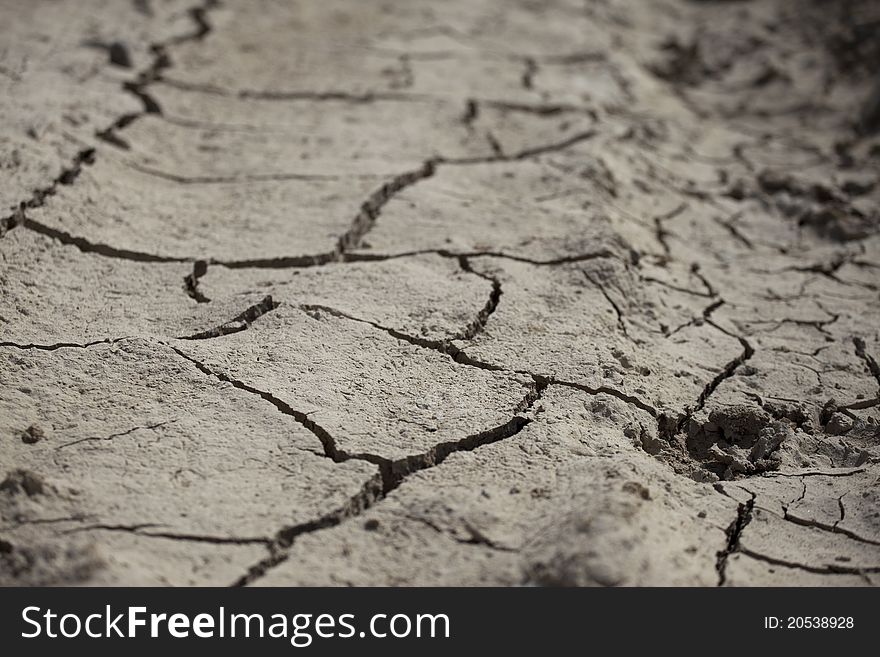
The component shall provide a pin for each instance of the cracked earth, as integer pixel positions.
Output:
(419, 293)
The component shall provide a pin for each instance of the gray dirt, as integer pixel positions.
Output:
(471, 292)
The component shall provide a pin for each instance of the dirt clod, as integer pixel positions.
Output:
(23, 481)
(33, 434)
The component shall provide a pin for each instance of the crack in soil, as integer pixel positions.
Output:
(119, 434)
(479, 322)
(621, 323)
(368, 495)
(458, 355)
(39, 196)
(322, 259)
(240, 177)
(827, 569)
(296, 95)
(191, 282)
(60, 345)
(728, 371)
(68, 176)
(734, 534)
(392, 472)
(363, 222)
(366, 218)
(862, 353)
(704, 316)
(87, 246)
(161, 62)
(174, 536)
(240, 322)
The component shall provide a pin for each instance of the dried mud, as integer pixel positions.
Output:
(461, 293)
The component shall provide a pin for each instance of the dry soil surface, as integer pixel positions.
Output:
(464, 292)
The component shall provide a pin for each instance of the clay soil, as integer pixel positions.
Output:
(471, 292)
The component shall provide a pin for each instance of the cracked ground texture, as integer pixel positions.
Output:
(418, 293)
